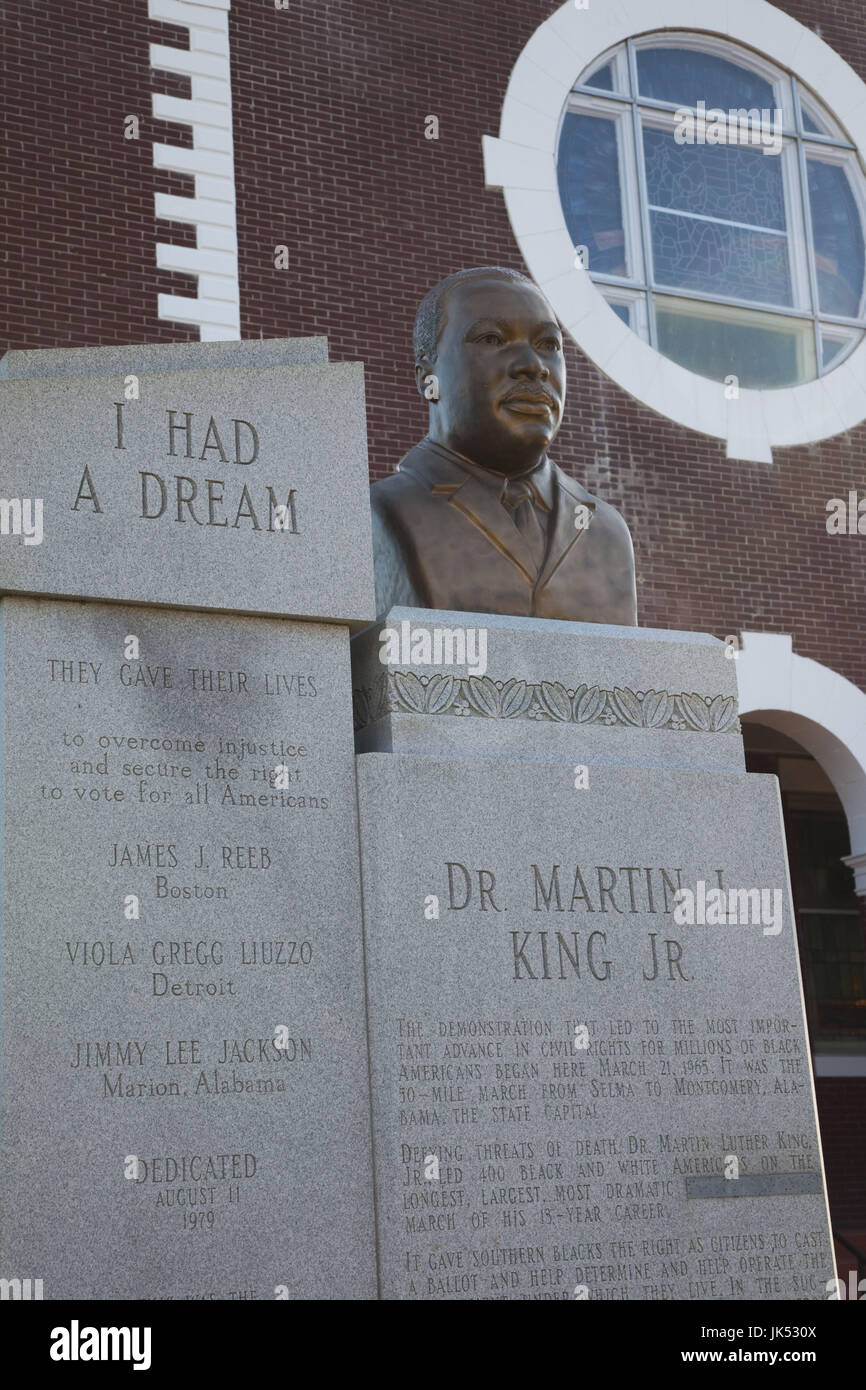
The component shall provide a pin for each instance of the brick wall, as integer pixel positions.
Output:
(330, 103)
(77, 228)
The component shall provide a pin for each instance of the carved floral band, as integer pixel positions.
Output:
(403, 692)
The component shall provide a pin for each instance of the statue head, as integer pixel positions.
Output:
(492, 342)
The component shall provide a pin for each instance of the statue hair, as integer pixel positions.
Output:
(430, 318)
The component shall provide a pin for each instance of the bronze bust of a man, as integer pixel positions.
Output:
(477, 517)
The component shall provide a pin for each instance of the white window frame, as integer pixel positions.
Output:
(846, 159)
(522, 162)
(584, 106)
(634, 300)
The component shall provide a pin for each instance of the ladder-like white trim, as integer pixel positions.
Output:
(214, 259)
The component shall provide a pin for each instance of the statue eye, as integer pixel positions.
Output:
(491, 337)
(552, 343)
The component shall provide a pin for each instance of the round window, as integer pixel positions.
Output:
(718, 207)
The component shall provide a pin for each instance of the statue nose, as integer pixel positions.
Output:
(528, 364)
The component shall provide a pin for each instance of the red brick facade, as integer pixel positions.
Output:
(76, 221)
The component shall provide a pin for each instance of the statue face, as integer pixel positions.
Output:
(501, 375)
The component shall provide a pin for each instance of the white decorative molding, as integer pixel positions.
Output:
(858, 863)
(216, 309)
(821, 710)
(522, 162)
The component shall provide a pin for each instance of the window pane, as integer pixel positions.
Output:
(838, 237)
(763, 351)
(810, 125)
(734, 182)
(832, 345)
(817, 121)
(816, 844)
(630, 307)
(724, 222)
(588, 170)
(602, 78)
(710, 257)
(832, 957)
(685, 76)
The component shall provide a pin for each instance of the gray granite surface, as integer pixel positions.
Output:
(161, 1140)
(240, 489)
(574, 1095)
(536, 689)
(162, 357)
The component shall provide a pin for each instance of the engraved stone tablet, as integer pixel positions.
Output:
(575, 1095)
(185, 1105)
(241, 489)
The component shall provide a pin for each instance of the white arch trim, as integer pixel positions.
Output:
(821, 710)
(522, 162)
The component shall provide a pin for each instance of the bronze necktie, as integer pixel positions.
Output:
(518, 499)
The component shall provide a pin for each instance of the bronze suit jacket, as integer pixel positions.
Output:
(442, 539)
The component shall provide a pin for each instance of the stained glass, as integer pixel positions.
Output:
(735, 182)
(713, 258)
(724, 220)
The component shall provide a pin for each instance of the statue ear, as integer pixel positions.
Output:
(423, 369)
(426, 380)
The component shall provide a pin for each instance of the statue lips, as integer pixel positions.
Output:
(539, 403)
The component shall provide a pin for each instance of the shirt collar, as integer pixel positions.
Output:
(540, 478)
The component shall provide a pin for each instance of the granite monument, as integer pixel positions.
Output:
(185, 1110)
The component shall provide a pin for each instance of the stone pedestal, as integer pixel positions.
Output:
(585, 1084)
(467, 684)
(185, 1110)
